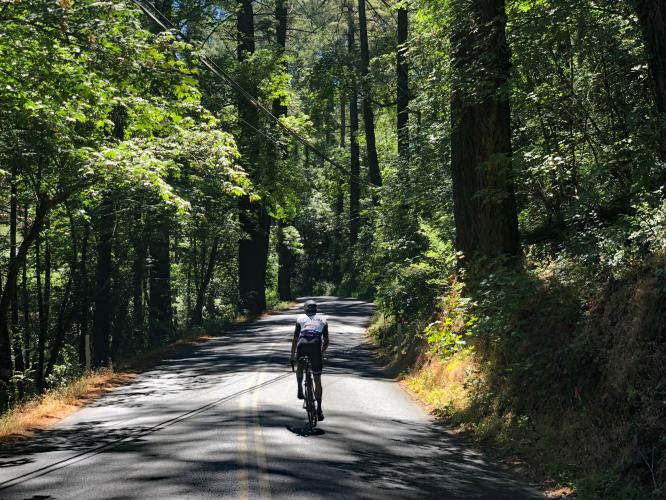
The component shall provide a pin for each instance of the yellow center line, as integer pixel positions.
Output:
(243, 481)
(262, 464)
(259, 450)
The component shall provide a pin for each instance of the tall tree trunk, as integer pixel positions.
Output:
(366, 97)
(62, 325)
(652, 19)
(47, 277)
(355, 171)
(103, 298)
(254, 219)
(355, 163)
(280, 109)
(253, 255)
(26, 295)
(245, 40)
(44, 309)
(484, 203)
(84, 301)
(284, 265)
(13, 219)
(101, 331)
(402, 68)
(138, 276)
(343, 119)
(197, 313)
(13, 216)
(43, 207)
(5, 363)
(160, 315)
(120, 340)
(188, 285)
(41, 338)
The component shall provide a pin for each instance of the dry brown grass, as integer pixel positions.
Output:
(440, 383)
(24, 419)
(559, 492)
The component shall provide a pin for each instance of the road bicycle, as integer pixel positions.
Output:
(308, 391)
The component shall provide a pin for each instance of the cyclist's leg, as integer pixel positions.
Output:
(299, 371)
(318, 388)
(299, 381)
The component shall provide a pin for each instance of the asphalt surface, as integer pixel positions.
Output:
(222, 421)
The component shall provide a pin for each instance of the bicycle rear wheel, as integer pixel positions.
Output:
(310, 401)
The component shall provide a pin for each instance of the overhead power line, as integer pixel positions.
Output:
(165, 23)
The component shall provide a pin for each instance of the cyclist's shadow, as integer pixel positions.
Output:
(305, 431)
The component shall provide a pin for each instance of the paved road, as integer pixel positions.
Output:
(222, 421)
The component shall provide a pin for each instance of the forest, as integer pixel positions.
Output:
(491, 173)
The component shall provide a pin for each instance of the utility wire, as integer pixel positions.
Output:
(163, 22)
(214, 30)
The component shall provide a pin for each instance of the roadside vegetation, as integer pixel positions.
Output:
(550, 368)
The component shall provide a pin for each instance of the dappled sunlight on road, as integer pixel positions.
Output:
(221, 419)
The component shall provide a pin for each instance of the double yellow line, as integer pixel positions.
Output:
(259, 450)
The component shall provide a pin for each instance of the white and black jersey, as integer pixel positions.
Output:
(311, 328)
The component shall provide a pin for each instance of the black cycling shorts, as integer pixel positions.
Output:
(313, 351)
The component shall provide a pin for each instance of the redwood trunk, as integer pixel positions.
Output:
(652, 19)
(26, 295)
(402, 67)
(138, 277)
(41, 337)
(64, 321)
(101, 331)
(254, 218)
(343, 119)
(484, 202)
(284, 265)
(355, 164)
(13, 219)
(253, 256)
(84, 301)
(368, 114)
(160, 318)
(197, 314)
(280, 109)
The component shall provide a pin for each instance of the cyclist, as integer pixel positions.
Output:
(311, 340)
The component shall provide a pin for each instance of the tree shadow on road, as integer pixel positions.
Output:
(356, 456)
(194, 450)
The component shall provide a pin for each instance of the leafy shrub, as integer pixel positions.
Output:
(409, 294)
(66, 371)
(450, 333)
